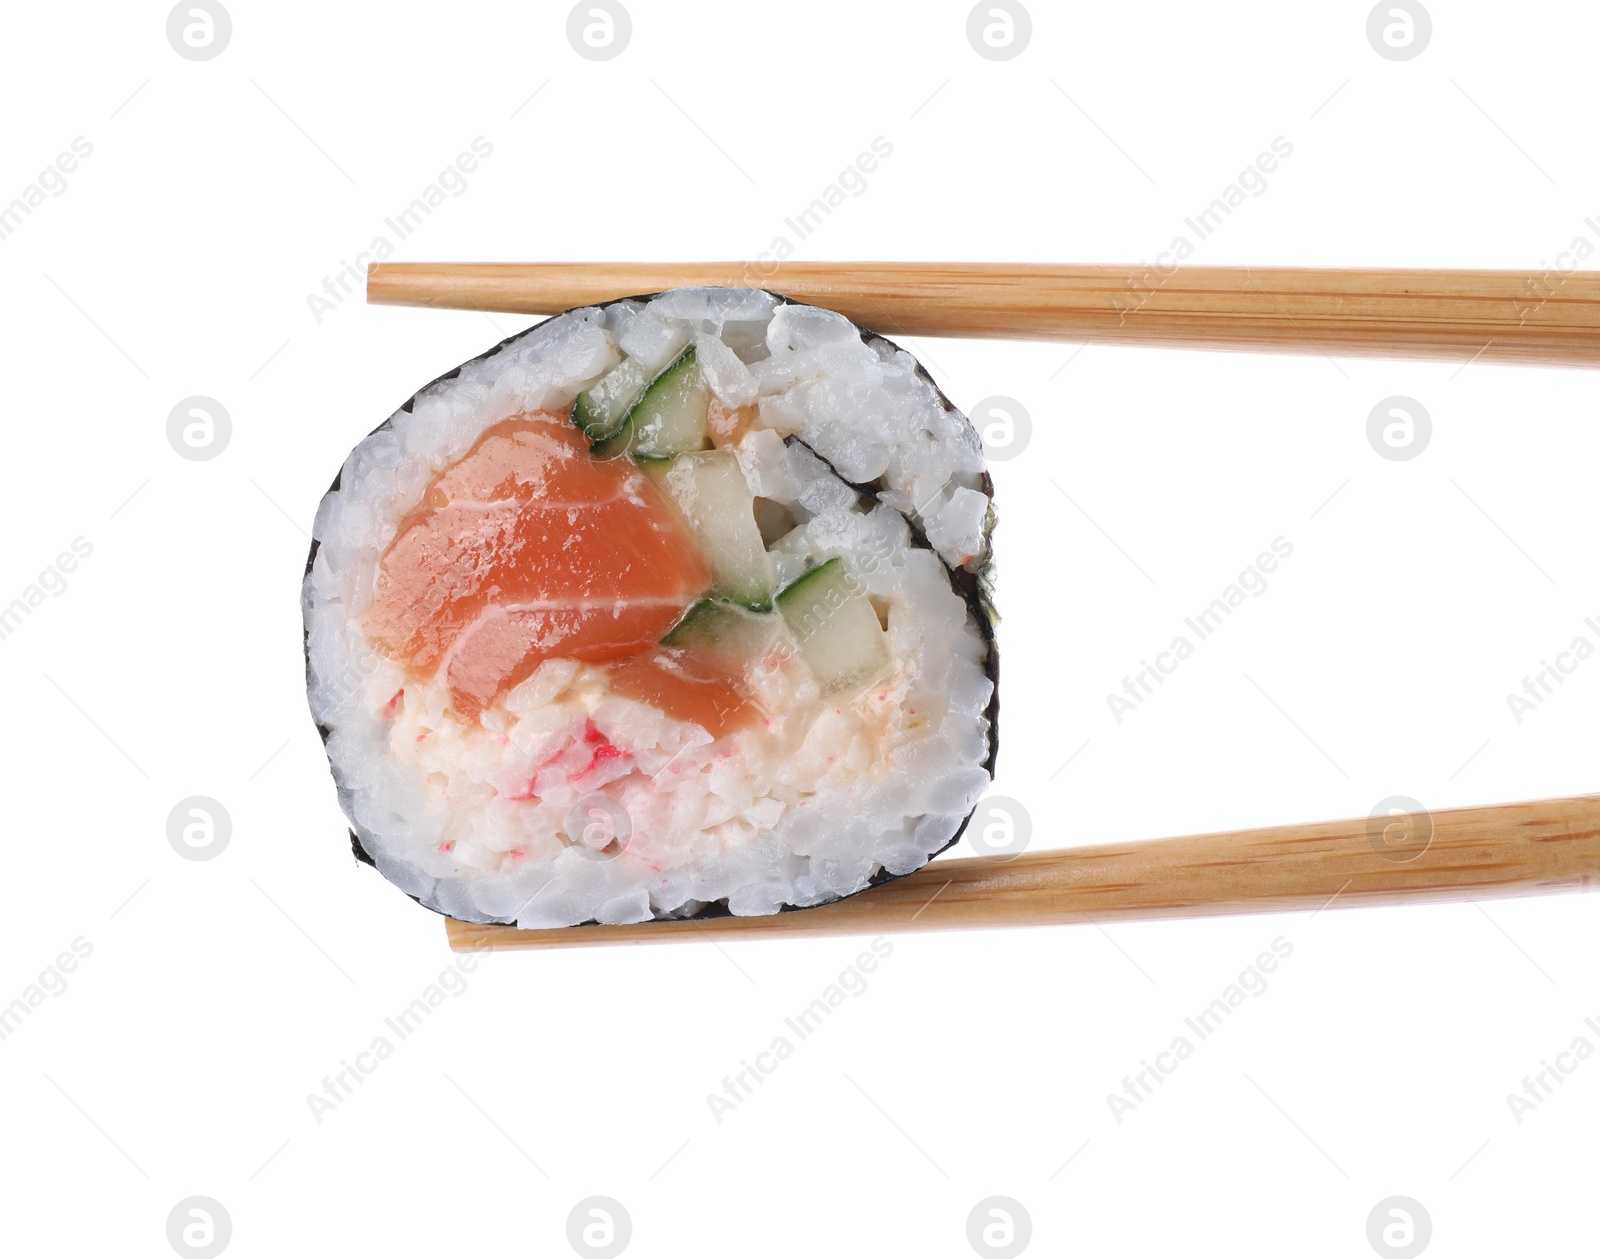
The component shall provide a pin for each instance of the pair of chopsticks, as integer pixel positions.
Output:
(1505, 316)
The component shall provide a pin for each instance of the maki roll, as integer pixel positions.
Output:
(669, 607)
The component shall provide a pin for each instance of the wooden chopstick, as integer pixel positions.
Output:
(1456, 854)
(1507, 316)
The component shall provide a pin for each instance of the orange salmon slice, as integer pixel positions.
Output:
(528, 548)
(696, 689)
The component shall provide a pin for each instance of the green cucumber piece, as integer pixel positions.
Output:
(710, 492)
(725, 629)
(836, 628)
(670, 416)
(602, 409)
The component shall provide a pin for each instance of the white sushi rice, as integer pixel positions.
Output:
(484, 820)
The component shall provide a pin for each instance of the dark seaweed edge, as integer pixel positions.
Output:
(971, 586)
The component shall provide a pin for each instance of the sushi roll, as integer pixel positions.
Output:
(675, 606)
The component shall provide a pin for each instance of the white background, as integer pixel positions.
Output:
(178, 262)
